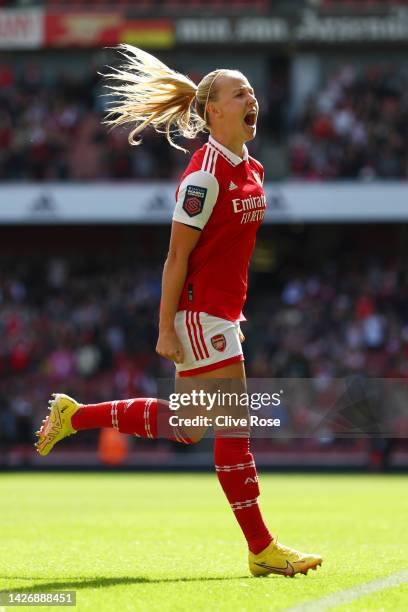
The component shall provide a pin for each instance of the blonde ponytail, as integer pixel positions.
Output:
(152, 94)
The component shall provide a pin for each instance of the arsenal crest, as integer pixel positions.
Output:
(219, 342)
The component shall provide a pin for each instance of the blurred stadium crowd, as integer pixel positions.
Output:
(50, 130)
(355, 127)
(87, 325)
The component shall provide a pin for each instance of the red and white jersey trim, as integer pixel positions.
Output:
(209, 159)
(231, 157)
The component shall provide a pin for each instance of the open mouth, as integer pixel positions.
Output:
(250, 118)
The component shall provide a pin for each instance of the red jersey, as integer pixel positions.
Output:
(221, 195)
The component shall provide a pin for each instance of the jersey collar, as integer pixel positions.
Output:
(232, 158)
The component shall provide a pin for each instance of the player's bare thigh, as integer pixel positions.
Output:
(231, 378)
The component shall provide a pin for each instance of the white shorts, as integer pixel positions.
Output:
(209, 342)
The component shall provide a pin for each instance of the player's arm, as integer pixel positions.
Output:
(182, 242)
(196, 198)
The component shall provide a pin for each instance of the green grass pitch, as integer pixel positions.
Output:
(170, 541)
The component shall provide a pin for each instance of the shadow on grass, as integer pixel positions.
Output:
(96, 583)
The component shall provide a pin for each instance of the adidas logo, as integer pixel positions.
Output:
(232, 186)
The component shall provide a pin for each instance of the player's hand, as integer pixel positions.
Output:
(241, 337)
(169, 346)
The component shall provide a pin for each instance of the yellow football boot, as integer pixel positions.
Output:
(57, 425)
(279, 559)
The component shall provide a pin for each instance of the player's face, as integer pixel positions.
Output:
(237, 106)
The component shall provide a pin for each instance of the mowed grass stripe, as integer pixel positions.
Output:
(343, 597)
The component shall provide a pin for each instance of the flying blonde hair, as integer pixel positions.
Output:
(153, 94)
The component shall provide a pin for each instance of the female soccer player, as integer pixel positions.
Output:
(220, 205)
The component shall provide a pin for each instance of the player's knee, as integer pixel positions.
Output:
(194, 437)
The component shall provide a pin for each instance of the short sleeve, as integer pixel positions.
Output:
(196, 198)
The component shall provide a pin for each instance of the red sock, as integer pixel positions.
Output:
(143, 417)
(236, 472)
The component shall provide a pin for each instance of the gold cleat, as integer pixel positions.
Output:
(279, 559)
(57, 425)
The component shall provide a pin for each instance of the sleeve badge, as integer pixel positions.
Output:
(194, 199)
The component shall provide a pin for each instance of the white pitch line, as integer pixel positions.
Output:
(349, 595)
